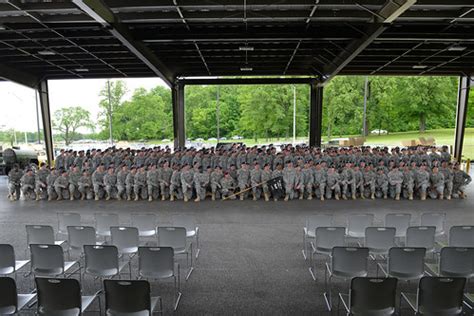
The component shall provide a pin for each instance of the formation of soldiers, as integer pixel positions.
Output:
(222, 173)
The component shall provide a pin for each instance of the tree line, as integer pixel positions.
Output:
(395, 104)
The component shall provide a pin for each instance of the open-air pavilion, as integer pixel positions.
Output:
(250, 260)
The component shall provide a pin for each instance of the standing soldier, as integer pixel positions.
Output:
(60, 162)
(153, 181)
(369, 180)
(61, 185)
(85, 185)
(255, 180)
(227, 186)
(395, 179)
(381, 183)
(28, 184)
(333, 183)
(243, 178)
(289, 178)
(130, 182)
(41, 179)
(408, 182)
(265, 177)
(175, 183)
(187, 182)
(50, 183)
(460, 180)
(122, 181)
(437, 184)
(140, 187)
(73, 182)
(423, 181)
(110, 182)
(216, 177)
(14, 182)
(448, 179)
(98, 182)
(165, 180)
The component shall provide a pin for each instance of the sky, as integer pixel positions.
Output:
(18, 105)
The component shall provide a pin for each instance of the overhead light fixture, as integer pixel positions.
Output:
(246, 69)
(46, 52)
(457, 48)
(246, 48)
(419, 66)
(81, 70)
(2, 28)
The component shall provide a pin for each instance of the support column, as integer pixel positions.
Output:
(43, 93)
(179, 122)
(315, 114)
(461, 114)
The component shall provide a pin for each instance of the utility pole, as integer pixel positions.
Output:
(294, 115)
(110, 114)
(218, 110)
(364, 118)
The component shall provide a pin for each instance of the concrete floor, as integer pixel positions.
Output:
(250, 260)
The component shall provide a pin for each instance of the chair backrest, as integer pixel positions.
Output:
(7, 259)
(186, 221)
(461, 236)
(434, 219)
(319, 220)
(156, 261)
(125, 238)
(421, 236)
(101, 259)
(174, 237)
(330, 237)
(456, 262)
(144, 222)
(9, 297)
(68, 219)
(380, 239)
(127, 296)
(58, 296)
(78, 236)
(401, 221)
(440, 296)
(407, 263)
(103, 222)
(39, 234)
(358, 223)
(46, 258)
(372, 296)
(350, 261)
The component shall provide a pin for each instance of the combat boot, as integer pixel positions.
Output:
(163, 197)
(385, 196)
(322, 197)
(136, 197)
(344, 197)
(287, 198)
(441, 196)
(354, 197)
(198, 199)
(213, 197)
(410, 197)
(107, 197)
(372, 196)
(448, 197)
(397, 197)
(185, 198)
(119, 197)
(254, 198)
(423, 196)
(267, 197)
(49, 198)
(37, 197)
(301, 196)
(462, 195)
(129, 198)
(72, 197)
(362, 196)
(241, 197)
(83, 196)
(59, 198)
(150, 198)
(172, 197)
(96, 197)
(310, 196)
(337, 197)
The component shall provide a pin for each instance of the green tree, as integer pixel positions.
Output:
(68, 120)
(108, 106)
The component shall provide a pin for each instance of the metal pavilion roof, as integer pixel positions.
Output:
(183, 38)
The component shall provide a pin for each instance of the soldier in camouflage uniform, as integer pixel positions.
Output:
(61, 186)
(265, 177)
(333, 184)
(437, 184)
(255, 179)
(227, 186)
(460, 180)
(153, 182)
(299, 181)
(110, 182)
(121, 181)
(14, 183)
(289, 178)
(175, 184)
(130, 182)
(348, 181)
(140, 186)
(28, 184)
(243, 179)
(41, 184)
(369, 181)
(381, 183)
(448, 179)
(422, 181)
(187, 177)
(98, 182)
(50, 184)
(216, 177)
(408, 182)
(74, 176)
(165, 174)
(201, 183)
(308, 180)
(395, 180)
(358, 182)
(85, 186)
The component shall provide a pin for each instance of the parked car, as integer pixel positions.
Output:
(378, 131)
(199, 139)
(165, 140)
(223, 138)
(212, 139)
(236, 137)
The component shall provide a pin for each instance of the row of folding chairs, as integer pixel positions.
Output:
(405, 264)
(432, 226)
(377, 296)
(59, 296)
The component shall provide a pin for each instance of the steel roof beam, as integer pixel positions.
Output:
(99, 11)
(19, 76)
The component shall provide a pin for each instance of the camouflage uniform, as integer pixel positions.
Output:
(216, 177)
(175, 185)
(437, 185)
(110, 182)
(201, 183)
(333, 185)
(165, 180)
(227, 187)
(255, 179)
(187, 177)
(50, 184)
(408, 184)
(369, 182)
(289, 178)
(74, 176)
(460, 180)
(423, 182)
(61, 186)
(395, 179)
(139, 186)
(130, 183)
(98, 183)
(121, 183)
(381, 184)
(41, 183)
(243, 177)
(153, 182)
(28, 185)
(14, 184)
(85, 187)
(265, 177)
(348, 181)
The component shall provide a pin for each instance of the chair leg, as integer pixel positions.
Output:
(190, 268)
(311, 266)
(305, 246)
(198, 249)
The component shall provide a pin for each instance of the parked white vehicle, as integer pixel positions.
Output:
(378, 131)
